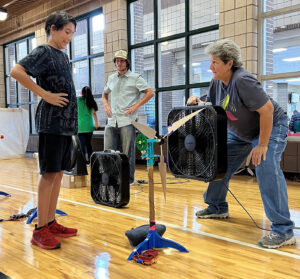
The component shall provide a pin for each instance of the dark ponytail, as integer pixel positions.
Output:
(89, 98)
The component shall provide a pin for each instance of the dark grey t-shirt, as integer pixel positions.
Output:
(52, 70)
(241, 98)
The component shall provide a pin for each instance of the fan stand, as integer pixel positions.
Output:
(153, 239)
(34, 215)
(4, 194)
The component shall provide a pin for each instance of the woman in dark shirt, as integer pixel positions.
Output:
(257, 126)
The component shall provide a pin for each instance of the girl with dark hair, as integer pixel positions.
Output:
(56, 121)
(87, 120)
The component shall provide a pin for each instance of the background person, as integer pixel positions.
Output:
(295, 117)
(256, 124)
(56, 121)
(87, 120)
(124, 88)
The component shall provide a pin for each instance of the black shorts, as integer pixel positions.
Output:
(54, 152)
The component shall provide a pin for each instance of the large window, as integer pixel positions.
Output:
(166, 43)
(17, 95)
(86, 54)
(279, 70)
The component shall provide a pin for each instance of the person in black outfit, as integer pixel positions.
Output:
(56, 120)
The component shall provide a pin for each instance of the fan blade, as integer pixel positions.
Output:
(151, 194)
(146, 130)
(180, 122)
(163, 171)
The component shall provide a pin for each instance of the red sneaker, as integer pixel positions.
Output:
(59, 230)
(44, 238)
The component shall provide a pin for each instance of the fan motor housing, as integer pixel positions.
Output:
(198, 149)
(190, 142)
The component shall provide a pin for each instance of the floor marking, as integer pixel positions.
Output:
(273, 251)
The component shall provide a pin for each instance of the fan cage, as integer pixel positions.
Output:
(201, 163)
(109, 179)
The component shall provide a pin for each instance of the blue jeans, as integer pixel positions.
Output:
(122, 139)
(270, 178)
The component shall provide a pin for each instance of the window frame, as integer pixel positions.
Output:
(89, 56)
(158, 40)
(27, 38)
(18, 104)
(261, 17)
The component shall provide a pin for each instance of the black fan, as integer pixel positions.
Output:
(110, 178)
(198, 149)
(78, 166)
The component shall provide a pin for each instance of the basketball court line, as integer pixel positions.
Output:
(242, 243)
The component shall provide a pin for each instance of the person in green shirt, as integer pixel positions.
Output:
(87, 120)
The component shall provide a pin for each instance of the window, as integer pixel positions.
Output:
(86, 54)
(282, 90)
(280, 66)
(143, 62)
(167, 48)
(17, 95)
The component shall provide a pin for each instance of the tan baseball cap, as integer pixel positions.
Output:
(121, 54)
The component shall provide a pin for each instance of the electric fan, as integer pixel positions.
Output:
(110, 178)
(78, 166)
(198, 148)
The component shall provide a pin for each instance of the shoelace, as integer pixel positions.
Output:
(272, 236)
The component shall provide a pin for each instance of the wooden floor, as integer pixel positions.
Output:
(217, 248)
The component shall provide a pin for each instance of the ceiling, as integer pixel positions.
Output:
(17, 7)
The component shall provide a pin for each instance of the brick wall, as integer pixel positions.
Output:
(238, 22)
(115, 31)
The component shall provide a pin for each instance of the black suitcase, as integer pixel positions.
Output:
(110, 178)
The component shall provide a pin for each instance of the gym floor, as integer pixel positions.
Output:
(224, 248)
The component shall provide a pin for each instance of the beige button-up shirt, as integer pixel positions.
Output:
(124, 92)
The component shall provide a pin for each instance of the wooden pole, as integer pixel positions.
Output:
(151, 194)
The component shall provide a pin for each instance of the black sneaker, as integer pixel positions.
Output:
(274, 240)
(207, 214)
(134, 183)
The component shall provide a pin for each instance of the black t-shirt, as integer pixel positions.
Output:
(241, 98)
(52, 70)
